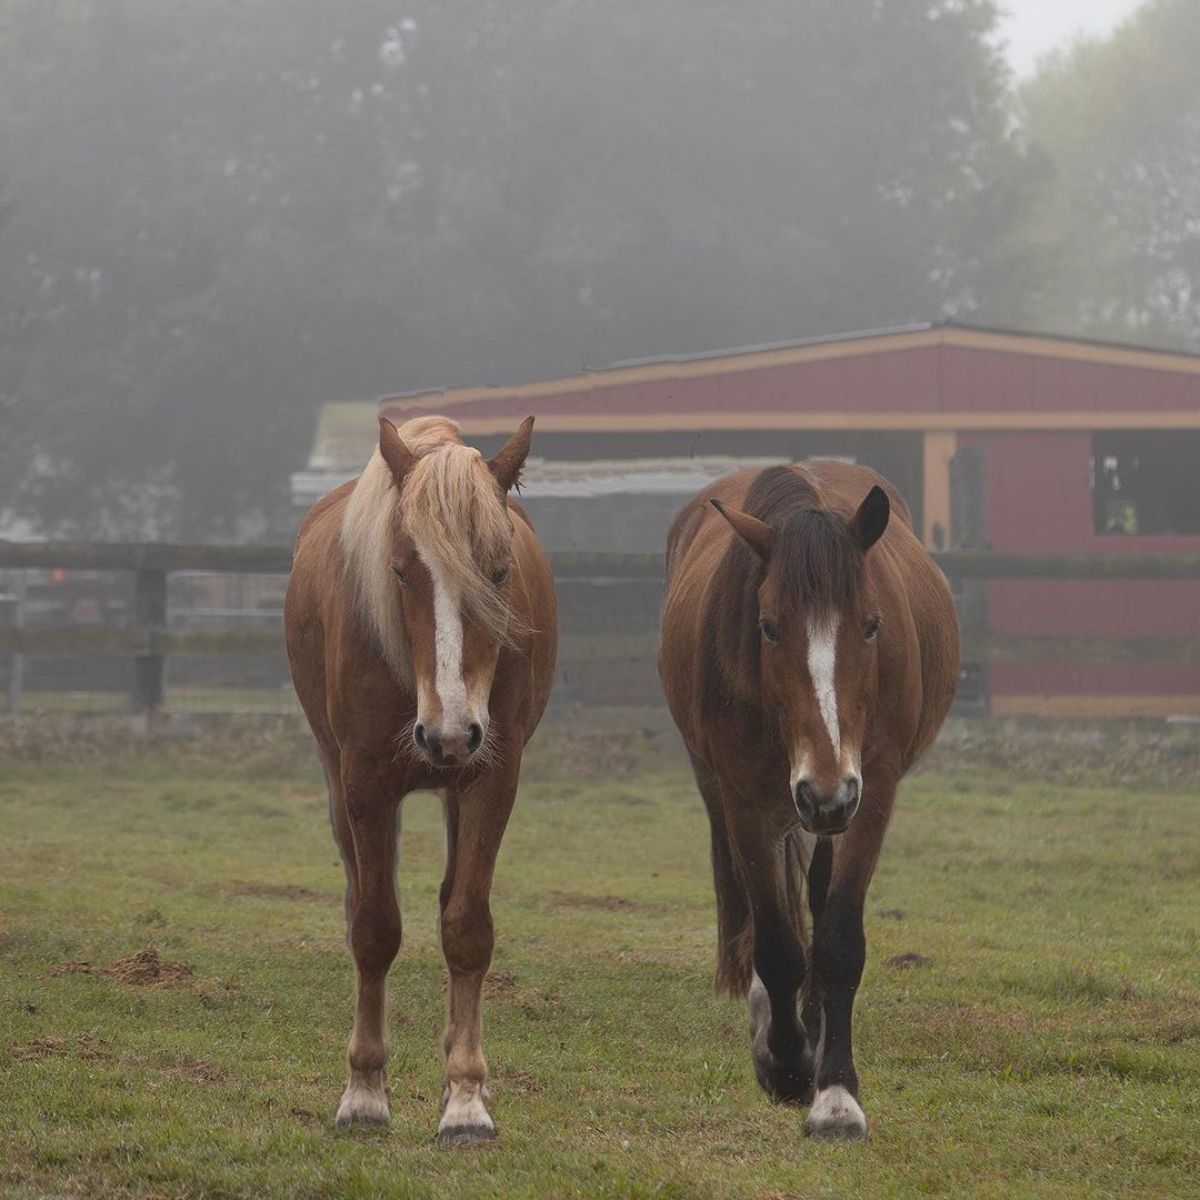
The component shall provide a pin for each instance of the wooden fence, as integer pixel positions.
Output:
(595, 630)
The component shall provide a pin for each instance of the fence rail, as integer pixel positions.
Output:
(148, 640)
(168, 557)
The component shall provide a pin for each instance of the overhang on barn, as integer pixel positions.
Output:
(1000, 440)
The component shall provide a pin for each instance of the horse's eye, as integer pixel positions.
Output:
(769, 630)
(873, 627)
(399, 574)
(498, 577)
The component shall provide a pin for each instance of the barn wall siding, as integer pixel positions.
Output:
(1038, 484)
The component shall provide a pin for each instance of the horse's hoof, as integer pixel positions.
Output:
(466, 1135)
(784, 1085)
(836, 1117)
(362, 1105)
(465, 1119)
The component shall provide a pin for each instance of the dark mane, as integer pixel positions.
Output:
(816, 552)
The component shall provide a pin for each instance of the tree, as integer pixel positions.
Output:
(225, 214)
(15, 443)
(1120, 118)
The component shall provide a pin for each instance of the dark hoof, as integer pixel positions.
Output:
(465, 1135)
(785, 1085)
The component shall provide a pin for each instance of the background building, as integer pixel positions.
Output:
(999, 440)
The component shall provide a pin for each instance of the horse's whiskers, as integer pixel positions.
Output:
(405, 746)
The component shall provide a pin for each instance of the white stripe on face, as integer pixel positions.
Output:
(448, 645)
(822, 660)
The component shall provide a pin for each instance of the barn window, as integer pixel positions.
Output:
(1146, 482)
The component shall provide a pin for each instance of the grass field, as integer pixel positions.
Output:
(1050, 1045)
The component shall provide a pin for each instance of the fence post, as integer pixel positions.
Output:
(150, 614)
(968, 531)
(12, 616)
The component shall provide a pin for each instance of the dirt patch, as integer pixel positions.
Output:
(520, 1082)
(601, 903)
(144, 969)
(910, 958)
(40, 1047)
(73, 968)
(536, 1004)
(87, 1047)
(90, 1048)
(195, 1070)
(277, 891)
(499, 985)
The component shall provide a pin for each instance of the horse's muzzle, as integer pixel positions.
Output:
(448, 747)
(827, 813)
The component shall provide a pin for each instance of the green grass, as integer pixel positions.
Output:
(1050, 1048)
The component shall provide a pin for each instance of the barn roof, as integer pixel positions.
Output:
(924, 376)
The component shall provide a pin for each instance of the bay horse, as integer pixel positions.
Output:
(809, 655)
(421, 629)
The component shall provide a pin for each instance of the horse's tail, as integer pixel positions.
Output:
(735, 928)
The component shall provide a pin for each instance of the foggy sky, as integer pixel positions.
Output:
(1034, 27)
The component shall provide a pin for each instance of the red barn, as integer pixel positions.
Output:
(1055, 445)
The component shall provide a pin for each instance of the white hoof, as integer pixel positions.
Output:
(364, 1102)
(836, 1115)
(465, 1118)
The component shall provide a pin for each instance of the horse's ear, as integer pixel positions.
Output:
(396, 454)
(758, 535)
(871, 519)
(507, 464)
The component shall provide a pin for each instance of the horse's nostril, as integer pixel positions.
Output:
(474, 736)
(419, 737)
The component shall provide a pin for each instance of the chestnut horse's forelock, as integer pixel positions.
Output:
(454, 510)
(452, 507)
(815, 554)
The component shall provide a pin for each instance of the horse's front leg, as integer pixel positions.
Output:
(365, 825)
(842, 870)
(783, 1060)
(476, 818)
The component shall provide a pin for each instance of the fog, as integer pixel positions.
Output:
(217, 217)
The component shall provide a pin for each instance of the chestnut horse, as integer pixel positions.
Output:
(421, 629)
(809, 655)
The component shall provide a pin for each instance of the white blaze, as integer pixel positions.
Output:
(448, 645)
(822, 661)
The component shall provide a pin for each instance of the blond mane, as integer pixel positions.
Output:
(450, 505)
